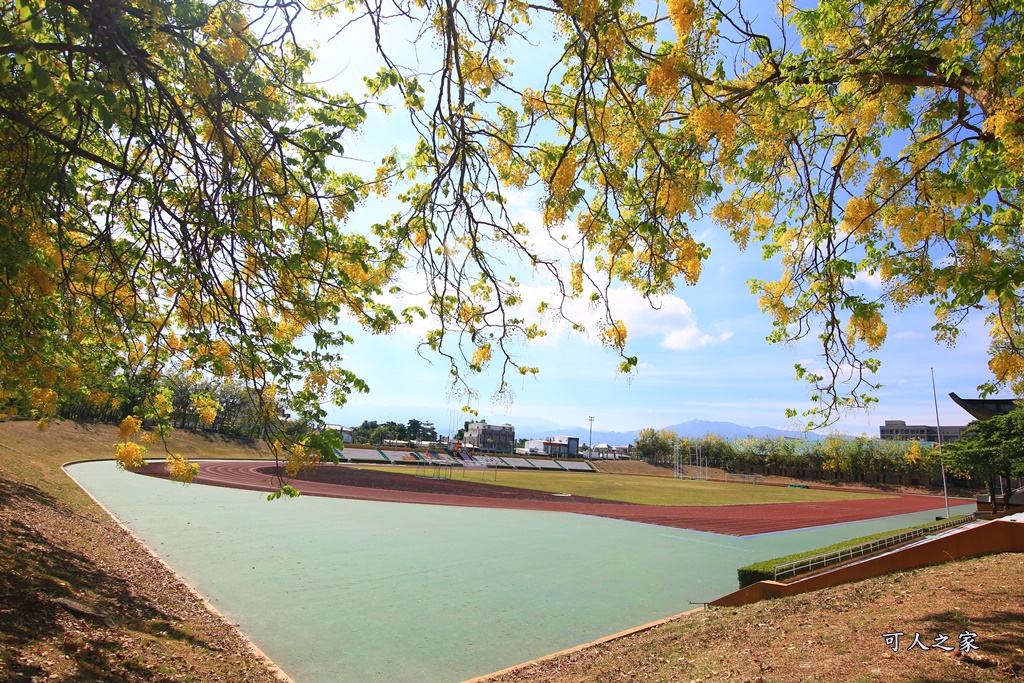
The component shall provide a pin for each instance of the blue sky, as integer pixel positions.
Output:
(703, 355)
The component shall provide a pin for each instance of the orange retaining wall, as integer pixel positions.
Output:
(995, 537)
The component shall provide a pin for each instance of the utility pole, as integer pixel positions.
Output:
(590, 444)
(938, 428)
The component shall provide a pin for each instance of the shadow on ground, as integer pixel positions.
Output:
(64, 615)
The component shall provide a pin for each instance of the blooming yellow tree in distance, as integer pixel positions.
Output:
(175, 192)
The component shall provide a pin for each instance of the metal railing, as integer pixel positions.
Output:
(815, 562)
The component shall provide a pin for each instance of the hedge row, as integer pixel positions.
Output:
(765, 571)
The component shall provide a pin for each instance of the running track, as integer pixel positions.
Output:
(735, 520)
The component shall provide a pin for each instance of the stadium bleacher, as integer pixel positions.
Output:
(361, 455)
(520, 463)
(576, 465)
(545, 464)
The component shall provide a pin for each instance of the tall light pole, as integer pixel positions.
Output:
(938, 428)
(590, 444)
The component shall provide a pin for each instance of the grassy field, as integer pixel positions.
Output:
(647, 490)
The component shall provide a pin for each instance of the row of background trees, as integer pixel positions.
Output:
(372, 432)
(991, 451)
(834, 457)
(238, 410)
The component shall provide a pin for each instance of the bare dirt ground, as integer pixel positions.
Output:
(832, 635)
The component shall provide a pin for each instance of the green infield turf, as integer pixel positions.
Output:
(647, 490)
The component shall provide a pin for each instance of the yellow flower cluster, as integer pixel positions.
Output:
(683, 13)
(584, 10)
(772, 297)
(207, 408)
(533, 101)
(728, 214)
(288, 329)
(181, 469)
(686, 261)
(576, 278)
(419, 237)
(859, 216)
(128, 455)
(625, 143)
(868, 326)
(129, 426)
(1006, 123)
(316, 382)
(299, 460)
(860, 117)
(162, 405)
(73, 376)
(708, 122)
(663, 77)
(917, 224)
(1006, 366)
(676, 198)
(913, 453)
(564, 178)
(469, 314)
(481, 70)
(615, 335)
(481, 355)
(44, 401)
(221, 349)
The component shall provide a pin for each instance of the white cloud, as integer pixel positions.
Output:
(872, 281)
(671, 319)
(691, 338)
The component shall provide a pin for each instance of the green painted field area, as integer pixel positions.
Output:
(647, 490)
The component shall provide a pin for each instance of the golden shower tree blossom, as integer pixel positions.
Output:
(174, 187)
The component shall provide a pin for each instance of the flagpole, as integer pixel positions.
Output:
(938, 428)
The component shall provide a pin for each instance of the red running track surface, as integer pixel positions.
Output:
(343, 481)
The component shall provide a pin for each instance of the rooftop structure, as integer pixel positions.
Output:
(898, 430)
(491, 437)
(985, 408)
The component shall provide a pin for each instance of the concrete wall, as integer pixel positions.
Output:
(994, 537)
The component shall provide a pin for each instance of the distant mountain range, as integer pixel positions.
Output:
(532, 427)
(693, 429)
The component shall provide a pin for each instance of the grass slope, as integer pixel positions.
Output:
(80, 600)
(646, 490)
(765, 570)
